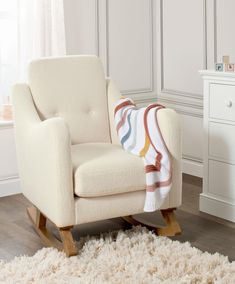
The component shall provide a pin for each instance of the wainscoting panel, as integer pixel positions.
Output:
(192, 131)
(224, 21)
(182, 40)
(192, 144)
(81, 26)
(129, 44)
(9, 182)
(8, 165)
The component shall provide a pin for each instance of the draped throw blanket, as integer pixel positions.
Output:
(140, 135)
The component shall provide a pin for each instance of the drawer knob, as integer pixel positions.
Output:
(228, 103)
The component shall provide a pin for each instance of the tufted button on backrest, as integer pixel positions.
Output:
(74, 88)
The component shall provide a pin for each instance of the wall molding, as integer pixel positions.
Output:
(205, 38)
(215, 31)
(192, 168)
(10, 186)
(190, 111)
(181, 93)
(192, 158)
(151, 46)
(165, 90)
(183, 108)
(97, 32)
(177, 101)
(6, 124)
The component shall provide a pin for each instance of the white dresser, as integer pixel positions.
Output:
(218, 197)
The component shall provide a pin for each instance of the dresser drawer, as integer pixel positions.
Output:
(222, 179)
(222, 141)
(222, 102)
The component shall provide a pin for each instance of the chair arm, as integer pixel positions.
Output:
(170, 126)
(44, 159)
(168, 120)
(113, 96)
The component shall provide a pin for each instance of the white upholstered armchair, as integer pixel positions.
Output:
(72, 167)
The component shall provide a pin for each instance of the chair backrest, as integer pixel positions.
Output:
(74, 88)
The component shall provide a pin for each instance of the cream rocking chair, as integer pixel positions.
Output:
(72, 167)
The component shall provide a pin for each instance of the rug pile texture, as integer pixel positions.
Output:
(133, 256)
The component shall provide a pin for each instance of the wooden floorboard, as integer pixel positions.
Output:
(206, 232)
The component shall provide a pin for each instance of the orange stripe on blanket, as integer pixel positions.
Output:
(146, 146)
(159, 155)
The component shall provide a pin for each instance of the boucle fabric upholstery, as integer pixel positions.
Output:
(66, 105)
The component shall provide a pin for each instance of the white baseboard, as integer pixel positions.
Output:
(217, 207)
(9, 186)
(192, 168)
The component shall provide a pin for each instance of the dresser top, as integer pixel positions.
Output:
(217, 74)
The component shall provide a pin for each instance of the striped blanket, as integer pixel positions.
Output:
(140, 135)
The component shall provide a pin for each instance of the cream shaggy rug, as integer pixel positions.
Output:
(134, 256)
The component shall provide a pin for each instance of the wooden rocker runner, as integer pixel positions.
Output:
(67, 243)
(171, 229)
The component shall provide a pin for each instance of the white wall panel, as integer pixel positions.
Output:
(8, 164)
(129, 44)
(80, 26)
(192, 137)
(224, 29)
(182, 46)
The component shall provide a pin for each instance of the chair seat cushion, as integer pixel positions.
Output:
(102, 169)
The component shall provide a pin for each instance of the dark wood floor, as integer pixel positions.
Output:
(203, 231)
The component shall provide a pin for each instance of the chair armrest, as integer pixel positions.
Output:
(44, 159)
(170, 126)
(113, 96)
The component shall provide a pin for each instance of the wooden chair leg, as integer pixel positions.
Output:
(172, 227)
(68, 242)
(39, 223)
